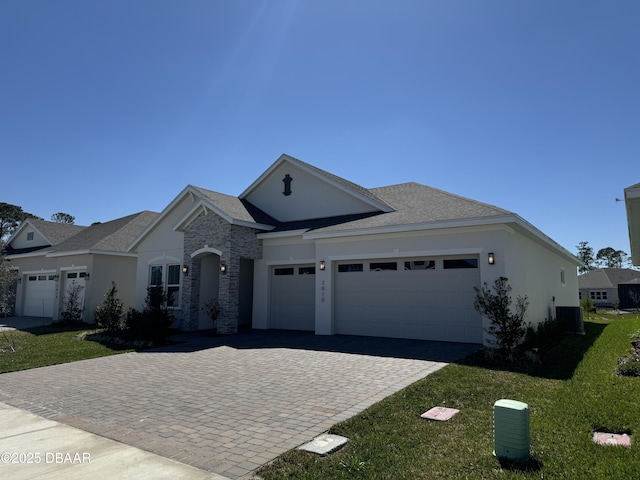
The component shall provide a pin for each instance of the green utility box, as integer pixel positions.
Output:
(511, 430)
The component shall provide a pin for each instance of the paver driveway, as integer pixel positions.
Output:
(227, 404)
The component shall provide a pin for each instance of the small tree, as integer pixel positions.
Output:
(212, 310)
(585, 254)
(72, 309)
(507, 327)
(588, 305)
(110, 313)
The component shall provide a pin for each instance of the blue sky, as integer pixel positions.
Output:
(112, 107)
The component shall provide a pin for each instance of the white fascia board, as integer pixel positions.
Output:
(188, 190)
(90, 252)
(257, 226)
(37, 253)
(408, 254)
(41, 271)
(410, 227)
(283, 234)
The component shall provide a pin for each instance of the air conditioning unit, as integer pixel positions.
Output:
(511, 430)
(571, 319)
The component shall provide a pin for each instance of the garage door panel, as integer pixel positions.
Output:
(39, 295)
(292, 305)
(434, 304)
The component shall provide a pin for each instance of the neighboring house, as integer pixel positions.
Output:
(601, 285)
(304, 249)
(50, 257)
(632, 201)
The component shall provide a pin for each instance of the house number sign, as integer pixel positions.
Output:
(322, 292)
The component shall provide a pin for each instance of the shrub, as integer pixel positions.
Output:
(587, 305)
(71, 309)
(544, 335)
(212, 310)
(110, 313)
(155, 319)
(507, 327)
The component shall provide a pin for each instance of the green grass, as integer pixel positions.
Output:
(41, 346)
(573, 392)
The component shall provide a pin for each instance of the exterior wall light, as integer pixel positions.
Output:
(185, 270)
(223, 268)
(491, 259)
(322, 265)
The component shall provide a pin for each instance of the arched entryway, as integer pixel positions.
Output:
(205, 285)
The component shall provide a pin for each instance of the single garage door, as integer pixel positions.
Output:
(423, 298)
(39, 295)
(292, 297)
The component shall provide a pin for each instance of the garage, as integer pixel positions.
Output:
(292, 297)
(422, 298)
(39, 296)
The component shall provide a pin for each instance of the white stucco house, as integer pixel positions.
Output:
(50, 257)
(304, 249)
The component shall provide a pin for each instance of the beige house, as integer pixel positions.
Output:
(51, 257)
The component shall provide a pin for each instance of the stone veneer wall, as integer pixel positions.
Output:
(235, 242)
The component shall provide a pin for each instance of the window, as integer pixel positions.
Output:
(72, 275)
(598, 295)
(307, 271)
(32, 278)
(284, 271)
(167, 276)
(350, 267)
(460, 263)
(562, 276)
(42, 277)
(29, 236)
(382, 266)
(420, 265)
(173, 285)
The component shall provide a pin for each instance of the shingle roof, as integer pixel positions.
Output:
(414, 203)
(236, 208)
(113, 236)
(607, 277)
(54, 231)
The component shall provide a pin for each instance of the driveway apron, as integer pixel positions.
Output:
(227, 404)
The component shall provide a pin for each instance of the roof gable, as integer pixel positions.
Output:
(34, 234)
(292, 190)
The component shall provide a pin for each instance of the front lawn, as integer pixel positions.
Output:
(574, 392)
(41, 346)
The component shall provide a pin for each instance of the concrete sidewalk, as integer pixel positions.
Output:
(34, 447)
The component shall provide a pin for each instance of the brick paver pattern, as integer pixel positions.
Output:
(227, 404)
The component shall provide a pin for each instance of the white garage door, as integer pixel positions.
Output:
(292, 297)
(39, 295)
(423, 298)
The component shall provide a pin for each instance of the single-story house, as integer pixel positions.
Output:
(632, 202)
(601, 285)
(304, 249)
(50, 257)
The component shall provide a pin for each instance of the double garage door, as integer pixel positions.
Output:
(421, 298)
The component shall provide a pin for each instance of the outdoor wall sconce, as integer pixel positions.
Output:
(322, 265)
(492, 259)
(223, 268)
(185, 270)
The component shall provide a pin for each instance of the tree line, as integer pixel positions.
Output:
(607, 257)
